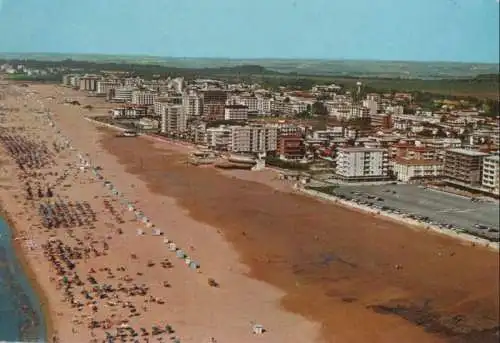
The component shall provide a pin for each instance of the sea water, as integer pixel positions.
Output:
(21, 318)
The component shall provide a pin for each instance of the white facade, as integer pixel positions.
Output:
(124, 94)
(193, 105)
(143, 98)
(218, 137)
(371, 105)
(362, 162)
(173, 119)
(491, 173)
(236, 112)
(406, 170)
(103, 87)
(262, 138)
(251, 102)
(241, 137)
(264, 105)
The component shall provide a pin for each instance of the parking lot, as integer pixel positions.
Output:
(428, 205)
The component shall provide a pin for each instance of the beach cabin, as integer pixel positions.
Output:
(180, 254)
(258, 329)
(172, 246)
(157, 232)
(194, 265)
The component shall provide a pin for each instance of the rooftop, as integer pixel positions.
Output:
(417, 162)
(468, 152)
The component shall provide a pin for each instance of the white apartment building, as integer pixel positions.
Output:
(411, 169)
(240, 139)
(395, 110)
(89, 83)
(263, 105)
(491, 173)
(193, 105)
(235, 112)
(219, 137)
(143, 97)
(371, 105)
(104, 86)
(250, 101)
(74, 81)
(258, 138)
(173, 119)
(124, 94)
(362, 164)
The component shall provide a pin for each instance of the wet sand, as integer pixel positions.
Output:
(30, 275)
(364, 278)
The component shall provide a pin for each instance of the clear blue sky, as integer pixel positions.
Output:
(428, 30)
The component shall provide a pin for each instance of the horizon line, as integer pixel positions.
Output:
(247, 58)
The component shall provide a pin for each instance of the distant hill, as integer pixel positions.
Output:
(344, 68)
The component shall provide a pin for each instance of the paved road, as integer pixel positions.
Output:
(439, 206)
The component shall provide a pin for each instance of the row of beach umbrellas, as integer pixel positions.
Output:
(139, 215)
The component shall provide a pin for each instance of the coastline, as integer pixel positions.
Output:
(290, 261)
(412, 224)
(30, 274)
(191, 317)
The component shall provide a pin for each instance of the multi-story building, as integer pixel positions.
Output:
(464, 166)
(381, 120)
(104, 86)
(254, 138)
(214, 102)
(173, 119)
(264, 105)
(240, 139)
(219, 137)
(75, 81)
(89, 83)
(291, 147)
(140, 97)
(491, 173)
(193, 105)
(124, 94)
(362, 164)
(236, 112)
(250, 101)
(412, 151)
(417, 169)
(66, 79)
(371, 105)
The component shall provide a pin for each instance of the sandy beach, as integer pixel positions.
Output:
(308, 271)
(101, 276)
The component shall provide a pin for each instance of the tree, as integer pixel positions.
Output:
(319, 108)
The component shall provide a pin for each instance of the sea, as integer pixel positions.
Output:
(21, 318)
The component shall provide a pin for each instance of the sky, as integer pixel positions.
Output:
(405, 30)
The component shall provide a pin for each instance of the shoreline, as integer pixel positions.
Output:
(191, 317)
(271, 262)
(412, 224)
(299, 266)
(30, 274)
